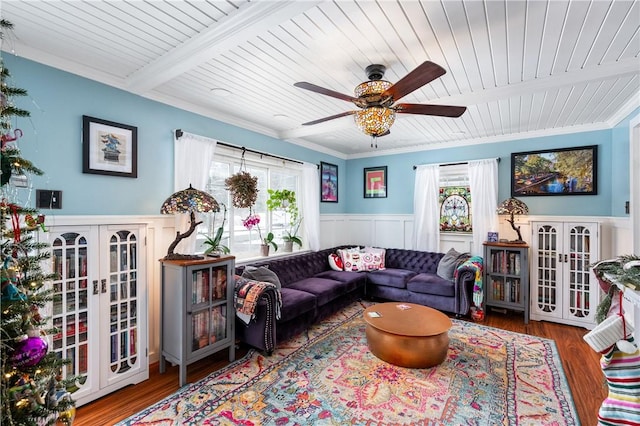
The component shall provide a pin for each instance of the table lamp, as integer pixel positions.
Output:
(513, 206)
(188, 200)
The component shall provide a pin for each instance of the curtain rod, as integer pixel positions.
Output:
(179, 134)
(454, 164)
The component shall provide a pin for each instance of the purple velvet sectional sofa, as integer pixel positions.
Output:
(311, 290)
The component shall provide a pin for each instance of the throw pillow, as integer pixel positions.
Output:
(370, 261)
(261, 273)
(352, 260)
(447, 264)
(336, 262)
(380, 252)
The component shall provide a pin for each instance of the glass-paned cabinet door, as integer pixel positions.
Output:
(580, 284)
(120, 281)
(546, 297)
(76, 329)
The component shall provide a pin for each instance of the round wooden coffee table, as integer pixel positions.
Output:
(407, 335)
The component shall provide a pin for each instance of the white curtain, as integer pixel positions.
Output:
(483, 182)
(310, 208)
(426, 213)
(193, 155)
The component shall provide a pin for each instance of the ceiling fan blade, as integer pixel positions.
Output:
(323, 91)
(423, 74)
(426, 109)
(322, 120)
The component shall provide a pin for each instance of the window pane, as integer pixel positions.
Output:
(243, 242)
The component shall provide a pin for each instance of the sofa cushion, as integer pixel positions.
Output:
(447, 264)
(261, 273)
(324, 289)
(335, 262)
(413, 260)
(343, 276)
(296, 303)
(431, 284)
(391, 277)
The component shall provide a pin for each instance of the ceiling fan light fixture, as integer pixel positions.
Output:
(375, 121)
(371, 87)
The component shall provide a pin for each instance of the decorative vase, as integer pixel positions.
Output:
(264, 249)
(288, 246)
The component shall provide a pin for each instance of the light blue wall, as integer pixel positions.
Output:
(401, 175)
(53, 141)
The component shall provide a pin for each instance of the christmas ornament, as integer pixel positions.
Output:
(11, 293)
(32, 223)
(29, 352)
(8, 137)
(66, 417)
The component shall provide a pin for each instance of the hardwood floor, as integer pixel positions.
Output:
(580, 363)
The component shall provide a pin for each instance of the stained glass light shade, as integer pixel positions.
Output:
(511, 207)
(190, 201)
(375, 121)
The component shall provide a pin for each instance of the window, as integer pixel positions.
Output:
(271, 174)
(455, 199)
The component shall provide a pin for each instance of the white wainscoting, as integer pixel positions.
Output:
(391, 231)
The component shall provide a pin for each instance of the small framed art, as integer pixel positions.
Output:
(375, 182)
(109, 148)
(328, 183)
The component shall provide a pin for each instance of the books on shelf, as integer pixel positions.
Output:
(507, 290)
(505, 262)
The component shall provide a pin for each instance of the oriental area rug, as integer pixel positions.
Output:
(328, 376)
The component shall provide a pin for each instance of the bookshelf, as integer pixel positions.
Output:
(506, 276)
(198, 316)
(99, 305)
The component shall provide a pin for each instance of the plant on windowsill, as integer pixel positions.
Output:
(215, 248)
(254, 220)
(285, 200)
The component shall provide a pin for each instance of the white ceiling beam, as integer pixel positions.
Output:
(246, 23)
(597, 73)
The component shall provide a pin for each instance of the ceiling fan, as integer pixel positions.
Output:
(376, 99)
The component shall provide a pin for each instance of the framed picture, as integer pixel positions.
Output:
(492, 237)
(566, 171)
(375, 182)
(109, 148)
(328, 183)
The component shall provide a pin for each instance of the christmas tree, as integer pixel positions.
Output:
(33, 389)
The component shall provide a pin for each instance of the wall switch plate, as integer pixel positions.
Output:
(48, 199)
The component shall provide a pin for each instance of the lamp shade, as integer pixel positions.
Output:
(375, 121)
(189, 200)
(512, 206)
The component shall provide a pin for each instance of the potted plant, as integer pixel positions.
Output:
(254, 220)
(243, 188)
(215, 248)
(285, 200)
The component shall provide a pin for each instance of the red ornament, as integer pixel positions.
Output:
(29, 352)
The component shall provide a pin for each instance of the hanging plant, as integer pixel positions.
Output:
(243, 188)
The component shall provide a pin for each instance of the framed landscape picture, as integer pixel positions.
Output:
(328, 183)
(109, 148)
(375, 182)
(566, 171)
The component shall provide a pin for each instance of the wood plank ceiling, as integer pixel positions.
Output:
(523, 68)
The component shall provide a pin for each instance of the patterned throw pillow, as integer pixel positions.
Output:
(336, 262)
(352, 260)
(378, 255)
